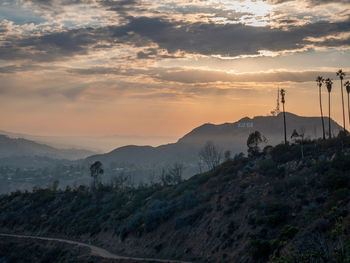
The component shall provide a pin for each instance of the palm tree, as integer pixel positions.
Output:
(320, 81)
(341, 75)
(347, 86)
(283, 93)
(329, 84)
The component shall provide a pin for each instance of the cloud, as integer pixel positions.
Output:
(198, 76)
(172, 36)
(207, 76)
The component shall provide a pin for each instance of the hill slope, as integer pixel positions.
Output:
(275, 207)
(228, 136)
(11, 148)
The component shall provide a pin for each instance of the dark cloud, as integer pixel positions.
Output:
(172, 36)
(313, 2)
(122, 7)
(119, 6)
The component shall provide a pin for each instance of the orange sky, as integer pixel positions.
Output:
(149, 68)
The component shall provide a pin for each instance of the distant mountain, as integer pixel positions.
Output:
(11, 148)
(95, 144)
(227, 136)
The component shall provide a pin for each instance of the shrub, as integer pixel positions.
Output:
(335, 179)
(269, 168)
(272, 213)
(189, 219)
(341, 162)
(288, 232)
(260, 249)
(283, 153)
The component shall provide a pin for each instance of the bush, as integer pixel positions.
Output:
(260, 249)
(269, 168)
(272, 214)
(341, 162)
(189, 219)
(335, 179)
(285, 153)
(288, 232)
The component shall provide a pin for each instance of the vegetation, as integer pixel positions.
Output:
(264, 208)
(329, 84)
(254, 139)
(96, 171)
(341, 76)
(283, 100)
(320, 80)
(210, 155)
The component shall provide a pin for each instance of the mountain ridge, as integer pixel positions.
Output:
(227, 136)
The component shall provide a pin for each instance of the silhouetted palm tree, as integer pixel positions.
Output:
(283, 93)
(320, 81)
(329, 84)
(341, 75)
(347, 86)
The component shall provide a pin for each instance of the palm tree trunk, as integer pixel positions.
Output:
(319, 92)
(342, 100)
(285, 127)
(329, 115)
(348, 108)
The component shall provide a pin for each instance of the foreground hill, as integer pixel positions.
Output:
(228, 136)
(275, 207)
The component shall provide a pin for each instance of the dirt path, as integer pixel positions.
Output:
(96, 251)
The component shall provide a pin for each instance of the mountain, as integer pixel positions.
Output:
(18, 147)
(97, 144)
(227, 136)
(272, 207)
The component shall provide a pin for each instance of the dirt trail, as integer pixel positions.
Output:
(96, 251)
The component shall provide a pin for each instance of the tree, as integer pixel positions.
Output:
(254, 139)
(210, 155)
(283, 93)
(341, 76)
(95, 171)
(320, 81)
(175, 171)
(347, 86)
(295, 136)
(172, 175)
(329, 84)
(54, 186)
(227, 155)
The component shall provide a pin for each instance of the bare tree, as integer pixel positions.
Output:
(172, 175)
(175, 171)
(210, 155)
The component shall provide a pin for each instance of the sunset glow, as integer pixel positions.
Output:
(161, 68)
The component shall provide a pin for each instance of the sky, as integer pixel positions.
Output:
(161, 68)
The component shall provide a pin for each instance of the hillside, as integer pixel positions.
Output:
(228, 136)
(275, 207)
(18, 147)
